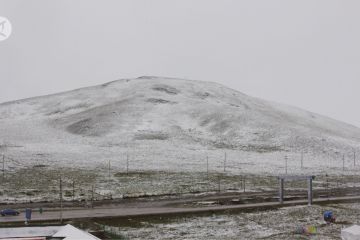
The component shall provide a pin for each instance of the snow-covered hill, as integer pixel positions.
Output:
(173, 124)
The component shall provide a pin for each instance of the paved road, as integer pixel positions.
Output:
(158, 210)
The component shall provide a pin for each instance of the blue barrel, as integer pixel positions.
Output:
(328, 215)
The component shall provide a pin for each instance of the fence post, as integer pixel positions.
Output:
(244, 181)
(207, 167)
(92, 196)
(73, 190)
(61, 201)
(310, 194)
(219, 179)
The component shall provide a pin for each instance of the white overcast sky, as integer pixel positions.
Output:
(304, 53)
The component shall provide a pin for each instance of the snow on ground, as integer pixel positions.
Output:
(164, 125)
(271, 224)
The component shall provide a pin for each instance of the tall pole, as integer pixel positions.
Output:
(92, 196)
(109, 170)
(343, 162)
(207, 167)
(61, 202)
(310, 191)
(354, 158)
(73, 190)
(327, 186)
(302, 160)
(3, 166)
(127, 164)
(219, 179)
(286, 161)
(281, 191)
(244, 182)
(225, 162)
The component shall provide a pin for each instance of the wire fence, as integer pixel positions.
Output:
(39, 182)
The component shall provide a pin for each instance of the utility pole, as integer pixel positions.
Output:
(219, 178)
(302, 160)
(286, 161)
(225, 162)
(3, 167)
(73, 190)
(61, 202)
(343, 162)
(127, 164)
(109, 170)
(327, 186)
(92, 196)
(354, 158)
(244, 183)
(207, 167)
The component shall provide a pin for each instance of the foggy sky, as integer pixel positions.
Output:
(304, 53)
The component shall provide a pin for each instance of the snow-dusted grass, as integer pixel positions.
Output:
(271, 224)
(40, 180)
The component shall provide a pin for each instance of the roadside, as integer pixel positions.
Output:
(156, 209)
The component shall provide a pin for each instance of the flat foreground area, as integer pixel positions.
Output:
(273, 224)
(153, 209)
(244, 221)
